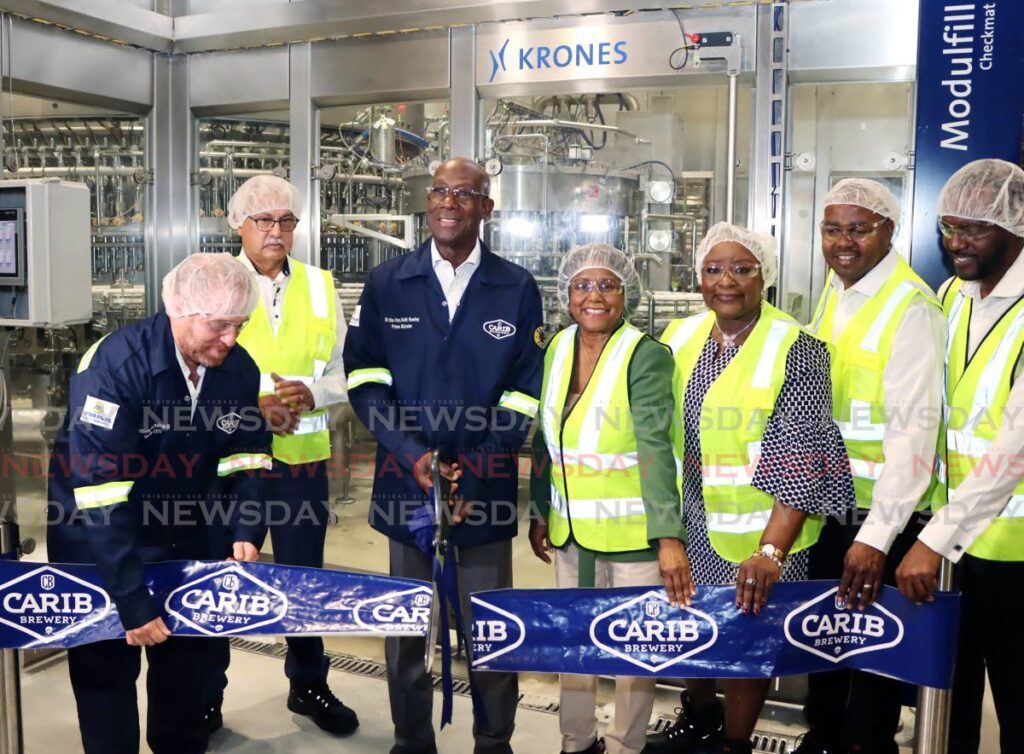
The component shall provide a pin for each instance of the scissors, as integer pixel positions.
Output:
(442, 515)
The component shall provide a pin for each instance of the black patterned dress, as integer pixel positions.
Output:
(803, 460)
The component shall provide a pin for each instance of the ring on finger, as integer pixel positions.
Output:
(867, 586)
(751, 581)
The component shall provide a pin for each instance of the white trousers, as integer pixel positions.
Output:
(634, 697)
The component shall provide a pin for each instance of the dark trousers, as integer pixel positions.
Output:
(297, 511)
(991, 617)
(103, 678)
(411, 690)
(852, 709)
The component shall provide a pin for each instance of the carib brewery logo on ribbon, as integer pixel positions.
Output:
(651, 633)
(496, 632)
(824, 627)
(406, 612)
(226, 602)
(47, 604)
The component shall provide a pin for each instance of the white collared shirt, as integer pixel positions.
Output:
(983, 496)
(331, 388)
(454, 281)
(193, 388)
(912, 388)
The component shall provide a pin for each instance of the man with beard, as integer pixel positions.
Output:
(981, 218)
(887, 332)
(158, 410)
(443, 352)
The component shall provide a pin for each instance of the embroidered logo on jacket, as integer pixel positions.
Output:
(499, 329)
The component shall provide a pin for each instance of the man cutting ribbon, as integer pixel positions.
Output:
(440, 353)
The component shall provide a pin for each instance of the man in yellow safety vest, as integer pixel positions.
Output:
(886, 332)
(295, 336)
(981, 217)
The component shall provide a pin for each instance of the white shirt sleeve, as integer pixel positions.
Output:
(332, 387)
(912, 384)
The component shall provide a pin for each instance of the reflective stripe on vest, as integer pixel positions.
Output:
(744, 395)
(859, 356)
(299, 351)
(595, 476)
(976, 396)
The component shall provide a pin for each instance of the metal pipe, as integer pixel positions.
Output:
(730, 156)
(38, 171)
(933, 704)
(558, 123)
(10, 703)
(10, 667)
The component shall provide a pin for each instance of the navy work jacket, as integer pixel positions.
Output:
(470, 388)
(132, 470)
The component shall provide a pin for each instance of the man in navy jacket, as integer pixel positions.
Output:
(441, 353)
(158, 411)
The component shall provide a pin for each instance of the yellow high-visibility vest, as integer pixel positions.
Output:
(859, 357)
(734, 415)
(299, 351)
(595, 471)
(976, 394)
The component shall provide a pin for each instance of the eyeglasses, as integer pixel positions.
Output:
(971, 232)
(264, 224)
(714, 271)
(856, 232)
(462, 196)
(222, 326)
(604, 286)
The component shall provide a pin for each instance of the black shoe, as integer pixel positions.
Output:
(814, 743)
(595, 748)
(737, 747)
(399, 749)
(317, 701)
(694, 730)
(213, 717)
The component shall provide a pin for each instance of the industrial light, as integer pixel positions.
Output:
(520, 226)
(595, 223)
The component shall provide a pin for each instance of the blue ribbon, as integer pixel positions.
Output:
(636, 632)
(49, 605)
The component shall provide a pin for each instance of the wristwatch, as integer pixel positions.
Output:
(773, 553)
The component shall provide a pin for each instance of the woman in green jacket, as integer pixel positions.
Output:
(605, 478)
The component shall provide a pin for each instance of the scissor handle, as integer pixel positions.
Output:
(435, 474)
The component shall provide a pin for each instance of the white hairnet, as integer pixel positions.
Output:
(599, 256)
(863, 192)
(760, 245)
(262, 193)
(214, 285)
(990, 191)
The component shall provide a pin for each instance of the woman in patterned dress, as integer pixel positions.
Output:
(749, 529)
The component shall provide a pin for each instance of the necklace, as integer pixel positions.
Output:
(729, 341)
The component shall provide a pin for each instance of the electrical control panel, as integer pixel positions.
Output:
(45, 256)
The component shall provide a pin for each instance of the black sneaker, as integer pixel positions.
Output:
(813, 743)
(595, 748)
(694, 730)
(320, 703)
(213, 717)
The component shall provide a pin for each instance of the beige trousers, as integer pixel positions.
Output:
(634, 697)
